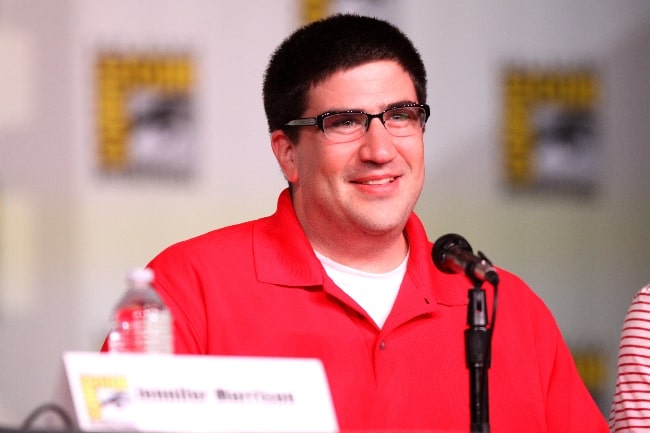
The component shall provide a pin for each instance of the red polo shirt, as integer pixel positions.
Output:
(257, 289)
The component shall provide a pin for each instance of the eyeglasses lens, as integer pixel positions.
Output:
(399, 122)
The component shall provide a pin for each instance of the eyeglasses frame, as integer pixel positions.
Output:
(318, 120)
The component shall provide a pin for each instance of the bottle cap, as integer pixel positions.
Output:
(139, 277)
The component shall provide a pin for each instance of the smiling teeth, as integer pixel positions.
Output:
(379, 181)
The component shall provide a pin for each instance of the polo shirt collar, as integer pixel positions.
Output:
(284, 256)
(282, 252)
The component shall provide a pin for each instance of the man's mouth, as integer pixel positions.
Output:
(383, 181)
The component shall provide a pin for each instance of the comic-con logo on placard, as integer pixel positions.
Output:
(106, 399)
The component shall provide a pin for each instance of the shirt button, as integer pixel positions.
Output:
(382, 345)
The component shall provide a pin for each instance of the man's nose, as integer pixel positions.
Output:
(378, 145)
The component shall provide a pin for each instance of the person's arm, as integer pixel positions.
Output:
(631, 405)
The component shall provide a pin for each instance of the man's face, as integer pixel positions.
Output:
(366, 187)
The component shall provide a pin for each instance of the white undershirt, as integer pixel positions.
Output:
(375, 293)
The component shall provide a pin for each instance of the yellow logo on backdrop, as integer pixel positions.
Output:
(134, 91)
(549, 109)
(313, 10)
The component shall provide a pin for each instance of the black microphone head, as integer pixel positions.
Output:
(441, 248)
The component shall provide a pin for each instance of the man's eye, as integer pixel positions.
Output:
(402, 115)
(344, 121)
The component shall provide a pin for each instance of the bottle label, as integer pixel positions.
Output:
(141, 330)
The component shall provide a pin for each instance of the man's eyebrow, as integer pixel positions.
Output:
(399, 104)
(359, 110)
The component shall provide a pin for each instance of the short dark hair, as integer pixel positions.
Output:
(317, 50)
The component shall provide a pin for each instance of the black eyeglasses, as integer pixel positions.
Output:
(345, 126)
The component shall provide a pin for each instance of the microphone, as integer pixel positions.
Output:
(452, 254)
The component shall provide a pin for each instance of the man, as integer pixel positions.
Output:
(343, 271)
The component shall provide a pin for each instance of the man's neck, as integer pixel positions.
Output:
(375, 254)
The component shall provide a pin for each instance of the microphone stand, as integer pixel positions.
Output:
(452, 254)
(477, 354)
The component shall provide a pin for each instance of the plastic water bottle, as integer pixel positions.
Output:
(141, 322)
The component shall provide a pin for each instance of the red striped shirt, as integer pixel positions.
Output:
(631, 405)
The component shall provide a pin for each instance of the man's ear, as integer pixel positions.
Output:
(284, 150)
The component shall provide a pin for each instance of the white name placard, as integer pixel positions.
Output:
(198, 394)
